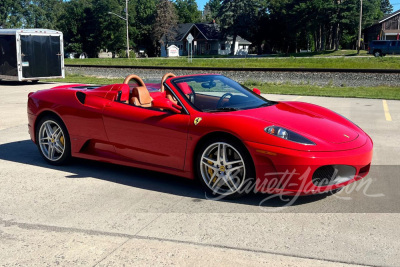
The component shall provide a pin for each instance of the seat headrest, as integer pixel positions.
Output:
(142, 94)
(185, 88)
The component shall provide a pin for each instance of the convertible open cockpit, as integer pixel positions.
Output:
(135, 92)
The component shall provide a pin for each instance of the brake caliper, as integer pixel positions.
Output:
(211, 171)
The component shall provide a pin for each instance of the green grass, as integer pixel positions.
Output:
(377, 92)
(84, 79)
(288, 62)
(327, 53)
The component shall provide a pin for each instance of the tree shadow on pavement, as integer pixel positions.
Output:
(25, 152)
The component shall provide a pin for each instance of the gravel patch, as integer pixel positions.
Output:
(312, 78)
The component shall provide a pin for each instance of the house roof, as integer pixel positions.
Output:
(385, 18)
(389, 16)
(240, 40)
(181, 30)
(211, 31)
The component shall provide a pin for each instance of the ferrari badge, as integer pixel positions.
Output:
(197, 120)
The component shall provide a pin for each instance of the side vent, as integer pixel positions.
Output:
(81, 97)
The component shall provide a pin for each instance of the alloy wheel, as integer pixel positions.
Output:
(51, 140)
(222, 168)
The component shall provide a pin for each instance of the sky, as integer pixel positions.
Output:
(201, 3)
(395, 4)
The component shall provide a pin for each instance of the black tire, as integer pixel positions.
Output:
(35, 81)
(212, 180)
(377, 53)
(50, 150)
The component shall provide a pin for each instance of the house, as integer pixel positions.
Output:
(208, 40)
(388, 28)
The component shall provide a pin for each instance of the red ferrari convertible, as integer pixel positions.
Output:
(205, 127)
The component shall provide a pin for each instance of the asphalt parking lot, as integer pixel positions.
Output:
(89, 213)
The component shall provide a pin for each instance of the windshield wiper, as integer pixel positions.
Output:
(223, 109)
(266, 105)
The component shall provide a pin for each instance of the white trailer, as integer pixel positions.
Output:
(31, 54)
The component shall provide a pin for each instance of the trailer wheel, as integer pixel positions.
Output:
(35, 81)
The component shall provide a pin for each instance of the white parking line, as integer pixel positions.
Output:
(386, 109)
(297, 98)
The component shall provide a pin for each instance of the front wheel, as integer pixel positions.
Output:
(53, 140)
(224, 168)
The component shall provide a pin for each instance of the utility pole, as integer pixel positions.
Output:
(127, 29)
(127, 25)
(359, 32)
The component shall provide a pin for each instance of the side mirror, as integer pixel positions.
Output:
(257, 91)
(164, 103)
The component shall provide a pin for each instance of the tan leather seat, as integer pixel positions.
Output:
(141, 97)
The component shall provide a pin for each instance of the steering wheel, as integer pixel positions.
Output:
(134, 77)
(219, 104)
(164, 78)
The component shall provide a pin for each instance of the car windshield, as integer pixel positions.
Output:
(217, 93)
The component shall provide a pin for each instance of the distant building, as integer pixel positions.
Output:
(388, 28)
(208, 40)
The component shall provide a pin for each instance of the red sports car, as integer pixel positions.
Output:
(205, 127)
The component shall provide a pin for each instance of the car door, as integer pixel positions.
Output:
(147, 136)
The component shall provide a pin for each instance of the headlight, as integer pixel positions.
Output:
(288, 135)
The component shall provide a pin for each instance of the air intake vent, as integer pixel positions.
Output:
(81, 97)
(324, 175)
(333, 174)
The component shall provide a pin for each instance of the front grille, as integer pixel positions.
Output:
(324, 175)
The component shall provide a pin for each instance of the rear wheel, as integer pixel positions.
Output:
(377, 53)
(53, 140)
(224, 167)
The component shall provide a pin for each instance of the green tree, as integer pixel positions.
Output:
(6, 8)
(143, 22)
(108, 31)
(166, 20)
(12, 13)
(319, 24)
(237, 17)
(386, 7)
(211, 10)
(188, 11)
(73, 22)
(42, 13)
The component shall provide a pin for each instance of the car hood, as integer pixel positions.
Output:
(307, 122)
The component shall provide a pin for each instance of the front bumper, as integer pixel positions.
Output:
(290, 172)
